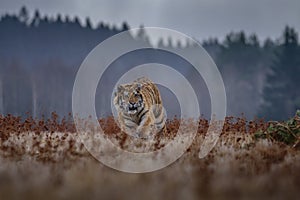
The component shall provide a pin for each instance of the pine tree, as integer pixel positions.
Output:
(281, 92)
(142, 35)
(88, 23)
(59, 19)
(160, 43)
(23, 15)
(36, 19)
(77, 21)
(67, 19)
(125, 26)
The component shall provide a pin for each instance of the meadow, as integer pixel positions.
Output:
(45, 159)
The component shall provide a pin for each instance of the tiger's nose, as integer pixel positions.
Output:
(131, 106)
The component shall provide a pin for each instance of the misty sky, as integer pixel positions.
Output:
(197, 18)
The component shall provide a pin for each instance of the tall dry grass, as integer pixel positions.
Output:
(44, 159)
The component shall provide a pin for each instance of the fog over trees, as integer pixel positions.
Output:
(40, 56)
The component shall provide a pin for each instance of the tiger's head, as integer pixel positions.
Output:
(129, 99)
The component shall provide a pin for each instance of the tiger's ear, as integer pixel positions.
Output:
(120, 88)
(116, 93)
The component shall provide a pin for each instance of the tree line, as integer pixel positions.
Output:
(39, 58)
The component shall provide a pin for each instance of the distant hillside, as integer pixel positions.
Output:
(39, 58)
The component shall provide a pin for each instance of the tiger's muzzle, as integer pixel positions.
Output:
(133, 107)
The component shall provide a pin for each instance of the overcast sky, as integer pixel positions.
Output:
(198, 18)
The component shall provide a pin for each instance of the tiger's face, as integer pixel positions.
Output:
(129, 98)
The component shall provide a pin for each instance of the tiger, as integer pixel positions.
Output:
(140, 109)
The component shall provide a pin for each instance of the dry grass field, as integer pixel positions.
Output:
(44, 159)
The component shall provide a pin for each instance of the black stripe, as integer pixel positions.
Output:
(128, 126)
(140, 118)
(140, 112)
(161, 121)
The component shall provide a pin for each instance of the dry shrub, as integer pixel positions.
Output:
(45, 159)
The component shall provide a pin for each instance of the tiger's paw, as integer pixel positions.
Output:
(143, 136)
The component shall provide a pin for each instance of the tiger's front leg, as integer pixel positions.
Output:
(145, 127)
(127, 125)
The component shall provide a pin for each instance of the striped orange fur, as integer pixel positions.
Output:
(140, 109)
